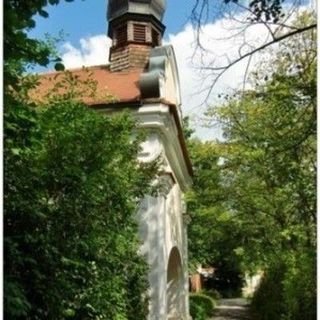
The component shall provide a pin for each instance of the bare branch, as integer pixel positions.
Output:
(221, 70)
(246, 74)
(277, 19)
(262, 47)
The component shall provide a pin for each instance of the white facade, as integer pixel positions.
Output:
(162, 226)
(162, 222)
(163, 229)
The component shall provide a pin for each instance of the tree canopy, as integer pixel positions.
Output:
(71, 246)
(258, 186)
(277, 18)
(19, 49)
(71, 192)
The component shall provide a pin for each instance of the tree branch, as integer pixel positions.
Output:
(225, 68)
(264, 46)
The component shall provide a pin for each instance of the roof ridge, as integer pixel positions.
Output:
(96, 67)
(99, 66)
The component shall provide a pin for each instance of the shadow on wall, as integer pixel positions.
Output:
(175, 285)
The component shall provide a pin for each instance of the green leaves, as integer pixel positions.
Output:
(71, 194)
(69, 313)
(70, 211)
(19, 49)
(53, 2)
(59, 67)
(264, 10)
(253, 201)
(43, 13)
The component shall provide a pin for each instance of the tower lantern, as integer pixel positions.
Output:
(135, 26)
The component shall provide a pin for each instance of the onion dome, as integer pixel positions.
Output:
(118, 8)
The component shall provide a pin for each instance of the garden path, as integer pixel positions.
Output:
(231, 309)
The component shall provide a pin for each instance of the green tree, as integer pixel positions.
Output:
(70, 232)
(262, 180)
(269, 165)
(71, 192)
(276, 18)
(215, 234)
(66, 206)
(19, 49)
(269, 152)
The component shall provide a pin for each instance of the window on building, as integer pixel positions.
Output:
(139, 32)
(155, 38)
(121, 35)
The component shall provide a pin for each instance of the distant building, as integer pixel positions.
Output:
(197, 280)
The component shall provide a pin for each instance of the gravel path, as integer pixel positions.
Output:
(231, 309)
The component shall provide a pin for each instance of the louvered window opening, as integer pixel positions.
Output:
(122, 37)
(139, 33)
(155, 38)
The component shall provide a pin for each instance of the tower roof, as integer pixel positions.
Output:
(117, 8)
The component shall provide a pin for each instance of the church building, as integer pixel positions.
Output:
(142, 76)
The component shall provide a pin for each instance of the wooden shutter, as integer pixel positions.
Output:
(139, 33)
(155, 38)
(121, 35)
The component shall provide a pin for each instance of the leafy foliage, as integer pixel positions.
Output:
(71, 197)
(270, 294)
(265, 10)
(288, 289)
(262, 180)
(201, 306)
(215, 236)
(71, 191)
(269, 156)
(19, 48)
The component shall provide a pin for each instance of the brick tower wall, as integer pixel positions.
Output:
(132, 56)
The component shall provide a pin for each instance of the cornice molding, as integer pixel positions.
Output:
(153, 81)
(158, 117)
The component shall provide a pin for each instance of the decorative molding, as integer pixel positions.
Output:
(153, 82)
(150, 81)
(183, 206)
(158, 117)
(166, 182)
(152, 148)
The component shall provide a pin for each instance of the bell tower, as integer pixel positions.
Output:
(135, 27)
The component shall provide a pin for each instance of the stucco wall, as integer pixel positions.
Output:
(163, 235)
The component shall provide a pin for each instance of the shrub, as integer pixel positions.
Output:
(212, 293)
(288, 290)
(201, 306)
(267, 301)
(70, 239)
(300, 291)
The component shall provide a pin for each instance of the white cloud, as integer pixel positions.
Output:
(218, 41)
(93, 51)
(215, 38)
(222, 40)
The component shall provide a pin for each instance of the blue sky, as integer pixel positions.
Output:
(86, 43)
(82, 19)
(85, 20)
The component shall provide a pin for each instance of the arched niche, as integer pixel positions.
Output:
(174, 285)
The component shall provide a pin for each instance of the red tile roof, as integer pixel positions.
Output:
(110, 86)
